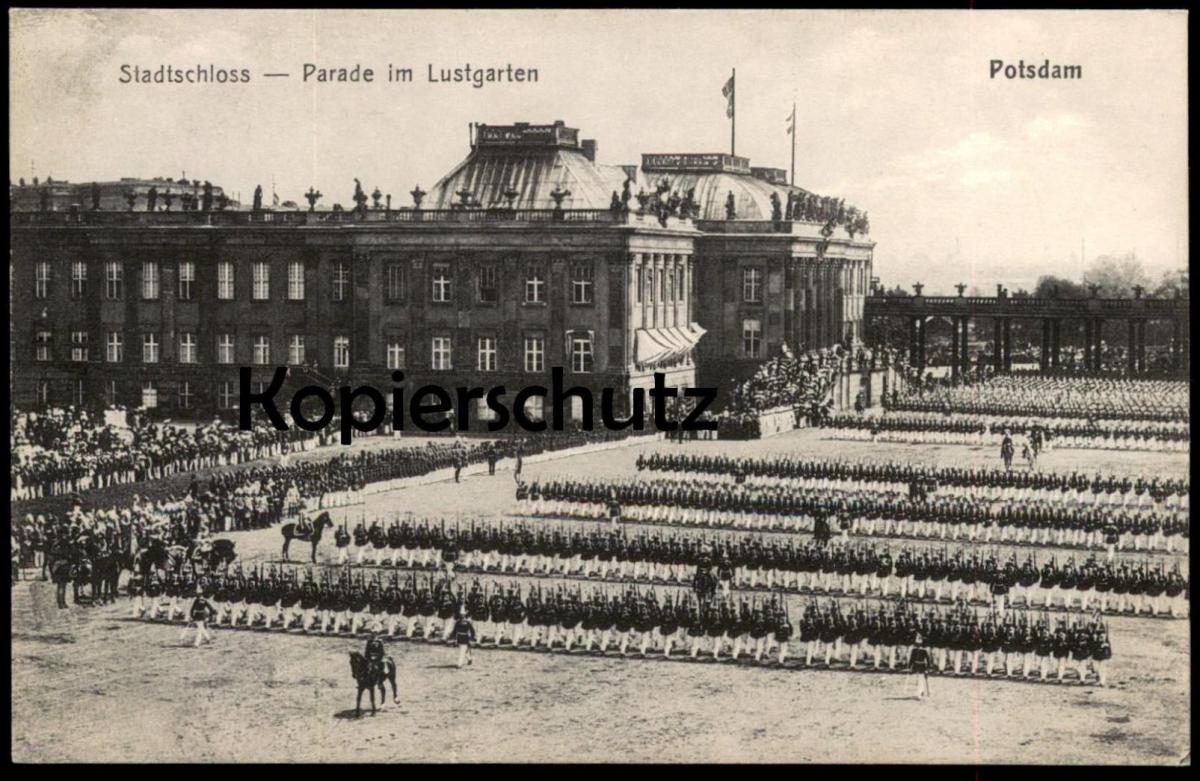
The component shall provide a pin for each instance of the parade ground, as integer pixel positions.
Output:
(92, 684)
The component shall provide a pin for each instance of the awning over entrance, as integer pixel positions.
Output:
(664, 345)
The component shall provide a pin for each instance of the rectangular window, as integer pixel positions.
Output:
(149, 348)
(296, 350)
(225, 281)
(441, 353)
(489, 288)
(752, 285)
(340, 281)
(581, 352)
(225, 395)
(752, 338)
(394, 282)
(149, 280)
(114, 347)
(41, 280)
(79, 346)
(295, 281)
(225, 349)
(395, 355)
(535, 284)
(185, 395)
(187, 278)
(262, 350)
(260, 279)
(486, 354)
(341, 352)
(535, 407)
(41, 342)
(483, 411)
(149, 394)
(439, 274)
(187, 348)
(582, 283)
(535, 353)
(78, 279)
(113, 280)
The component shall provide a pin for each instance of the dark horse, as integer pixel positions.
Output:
(158, 555)
(368, 677)
(288, 530)
(218, 557)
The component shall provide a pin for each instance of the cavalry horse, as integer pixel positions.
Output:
(158, 555)
(219, 555)
(368, 677)
(288, 530)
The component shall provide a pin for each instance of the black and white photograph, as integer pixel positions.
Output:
(599, 386)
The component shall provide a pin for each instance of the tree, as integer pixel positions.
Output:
(897, 291)
(1116, 275)
(1171, 284)
(1048, 284)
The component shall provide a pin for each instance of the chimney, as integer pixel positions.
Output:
(589, 148)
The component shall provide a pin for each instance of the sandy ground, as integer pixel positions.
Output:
(90, 684)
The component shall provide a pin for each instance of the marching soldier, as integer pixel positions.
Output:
(918, 664)
(464, 636)
(201, 612)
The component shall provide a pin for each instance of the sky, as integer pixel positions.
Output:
(965, 178)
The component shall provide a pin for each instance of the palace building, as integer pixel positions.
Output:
(528, 255)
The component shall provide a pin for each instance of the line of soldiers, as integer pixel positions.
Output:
(862, 513)
(628, 618)
(754, 561)
(1076, 397)
(971, 430)
(79, 453)
(960, 480)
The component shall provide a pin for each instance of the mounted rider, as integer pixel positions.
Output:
(374, 653)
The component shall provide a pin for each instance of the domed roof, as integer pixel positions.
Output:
(533, 173)
(752, 196)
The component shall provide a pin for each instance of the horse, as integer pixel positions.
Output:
(82, 571)
(158, 555)
(368, 677)
(218, 556)
(288, 530)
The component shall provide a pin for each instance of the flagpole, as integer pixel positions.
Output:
(792, 180)
(733, 115)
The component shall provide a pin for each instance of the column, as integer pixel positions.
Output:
(1098, 332)
(1131, 362)
(921, 344)
(966, 344)
(997, 345)
(1008, 344)
(1055, 341)
(912, 341)
(955, 346)
(1047, 327)
(1088, 337)
(1141, 342)
(1177, 345)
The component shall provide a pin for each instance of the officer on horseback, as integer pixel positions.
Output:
(374, 652)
